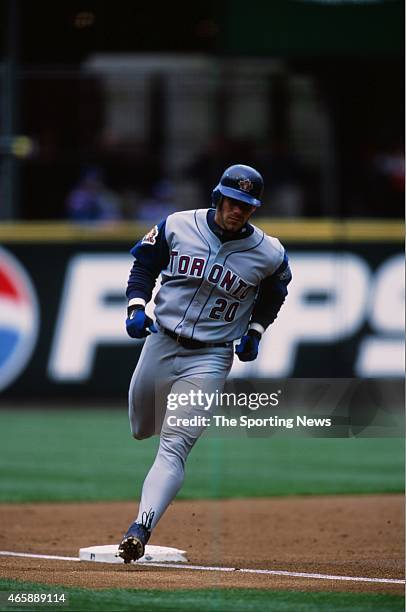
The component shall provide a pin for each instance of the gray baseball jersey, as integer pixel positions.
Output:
(208, 286)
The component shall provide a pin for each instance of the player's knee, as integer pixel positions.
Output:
(139, 436)
(139, 433)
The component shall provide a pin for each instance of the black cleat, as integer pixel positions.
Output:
(132, 546)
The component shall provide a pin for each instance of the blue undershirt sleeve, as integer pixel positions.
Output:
(271, 295)
(151, 255)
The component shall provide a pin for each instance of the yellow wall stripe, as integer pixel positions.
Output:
(318, 230)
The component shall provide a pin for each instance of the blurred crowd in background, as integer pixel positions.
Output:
(122, 124)
(292, 189)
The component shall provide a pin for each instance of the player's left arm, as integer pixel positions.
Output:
(271, 295)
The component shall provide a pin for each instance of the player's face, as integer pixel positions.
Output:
(231, 214)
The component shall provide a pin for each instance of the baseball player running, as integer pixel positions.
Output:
(222, 279)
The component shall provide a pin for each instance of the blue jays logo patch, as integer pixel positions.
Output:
(245, 184)
(150, 238)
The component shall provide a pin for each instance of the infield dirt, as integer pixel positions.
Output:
(338, 535)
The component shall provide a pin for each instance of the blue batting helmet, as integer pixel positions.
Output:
(240, 183)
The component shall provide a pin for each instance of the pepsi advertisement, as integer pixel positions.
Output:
(63, 310)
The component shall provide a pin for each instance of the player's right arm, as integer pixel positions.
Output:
(151, 255)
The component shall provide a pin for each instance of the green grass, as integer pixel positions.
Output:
(213, 600)
(90, 455)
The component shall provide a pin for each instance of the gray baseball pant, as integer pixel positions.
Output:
(165, 367)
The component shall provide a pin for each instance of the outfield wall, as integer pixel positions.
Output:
(62, 307)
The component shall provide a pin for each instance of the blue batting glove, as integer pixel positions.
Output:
(247, 350)
(138, 324)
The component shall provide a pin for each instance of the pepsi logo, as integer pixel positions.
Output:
(19, 318)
